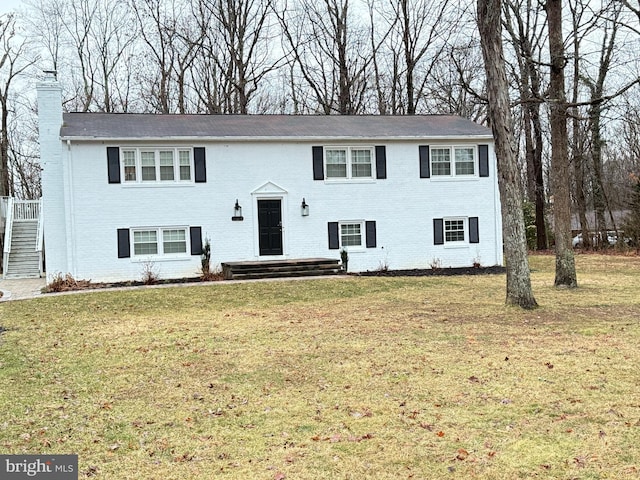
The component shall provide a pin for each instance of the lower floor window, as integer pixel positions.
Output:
(351, 234)
(160, 241)
(454, 230)
(174, 241)
(145, 242)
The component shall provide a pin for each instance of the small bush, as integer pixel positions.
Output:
(205, 261)
(383, 266)
(65, 283)
(344, 257)
(212, 275)
(150, 274)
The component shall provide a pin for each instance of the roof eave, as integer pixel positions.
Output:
(315, 138)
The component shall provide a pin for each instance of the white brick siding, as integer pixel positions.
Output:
(403, 207)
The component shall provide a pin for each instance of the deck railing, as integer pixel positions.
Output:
(24, 210)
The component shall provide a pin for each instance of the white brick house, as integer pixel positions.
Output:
(121, 190)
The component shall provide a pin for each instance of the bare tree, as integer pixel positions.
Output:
(154, 24)
(240, 33)
(522, 24)
(596, 89)
(90, 40)
(414, 33)
(457, 88)
(515, 245)
(331, 52)
(13, 62)
(578, 135)
(560, 179)
(45, 20)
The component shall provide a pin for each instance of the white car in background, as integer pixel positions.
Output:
(612, 238)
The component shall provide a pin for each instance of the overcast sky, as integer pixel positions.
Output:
(7, 6)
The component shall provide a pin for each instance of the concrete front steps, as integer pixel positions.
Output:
(281, 268)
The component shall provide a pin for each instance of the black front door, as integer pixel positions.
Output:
(270, 227)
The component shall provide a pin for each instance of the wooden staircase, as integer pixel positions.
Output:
(303, 267)
(22, 255)
(24, 259)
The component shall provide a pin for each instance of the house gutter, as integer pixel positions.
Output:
(296, 139)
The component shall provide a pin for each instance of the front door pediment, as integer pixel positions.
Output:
(269, 188)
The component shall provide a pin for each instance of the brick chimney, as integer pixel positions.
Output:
(54, 174)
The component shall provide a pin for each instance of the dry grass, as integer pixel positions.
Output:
(347, 379)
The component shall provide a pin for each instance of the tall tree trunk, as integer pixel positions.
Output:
(560, 183)
(5, 185)
(540, 197)
(515, 244)
(595, 118)
(578, 141)
(541, 224)
(524, 36)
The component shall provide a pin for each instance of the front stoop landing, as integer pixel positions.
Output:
(281, 268)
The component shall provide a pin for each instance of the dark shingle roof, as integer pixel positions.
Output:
(117, 126)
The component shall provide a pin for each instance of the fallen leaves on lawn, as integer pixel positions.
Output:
(341, 438)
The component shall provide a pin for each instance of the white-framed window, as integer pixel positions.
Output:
(157, 165)
(129, 164)
(351, 234)
(453, 161)
(174, 241)
(159, 241)
(348, 162)
(455, 230)
(184, 157)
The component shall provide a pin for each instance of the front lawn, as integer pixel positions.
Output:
(359, 377)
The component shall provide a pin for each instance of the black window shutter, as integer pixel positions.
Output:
(196, 240)
(200, 164)
(424, 161)
(124, 250)
(334, 241)
(113, 164)
(474, 236)
(438, 231)
(381, 161)
(370, 228)
(318, 163)
(483, 154)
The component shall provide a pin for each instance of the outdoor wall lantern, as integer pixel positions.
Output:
(304, 208)
(237, 212)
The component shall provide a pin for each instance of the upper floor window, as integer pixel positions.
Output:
(348, 162)
(453, 161)
(149, 165)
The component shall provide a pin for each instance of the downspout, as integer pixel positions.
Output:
(68, 200)
(40, 237)
(497, 211)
